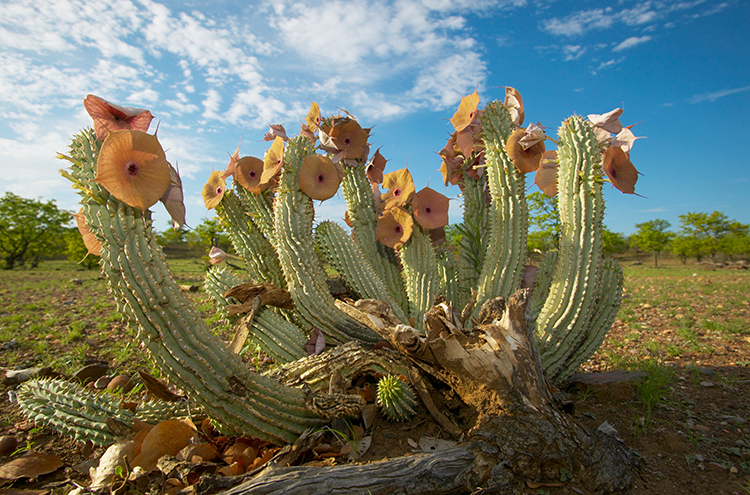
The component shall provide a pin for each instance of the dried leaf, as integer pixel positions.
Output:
(166, 438)
(157, 389)
(114, 456)
(31, 465)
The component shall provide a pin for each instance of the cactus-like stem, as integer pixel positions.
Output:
(363, 215)
(189, 354)
(347, 259)
(506, 246)
(260, 257)
(421, 273)
(449, 276)
(578, 283)
(281, 339)
(293, 219)
(396, 399)
(259, 207)
(81, 413)
(474, 236)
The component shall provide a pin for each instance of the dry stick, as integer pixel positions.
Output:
(421, 387)
(243, 327)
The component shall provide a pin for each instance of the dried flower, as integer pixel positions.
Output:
(89, 239)
(514, 103)
(275, 130)
(273, 161)
(173, 199)
(467, 111)
(525, 160)
(430, 209)
(609, 121)
(625, 139)
(216, 255)
(394, 227)
(546, 175)
(110, 117)
(133, 168)
(313, 118)
(213, 190)
(229, 171)
(375, 168)
(400, 188)
(621, 172)
(318, 177)
(345, 137)
(249, 172)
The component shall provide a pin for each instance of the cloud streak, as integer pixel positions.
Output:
(715, 95)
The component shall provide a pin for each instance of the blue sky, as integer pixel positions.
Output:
(214, 73)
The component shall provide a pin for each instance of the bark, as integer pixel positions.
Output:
(520, 439)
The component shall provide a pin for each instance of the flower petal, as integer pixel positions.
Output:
(249, 172)
(318, 177)
(273, 161)
(313, 118)
(173, 199)
(394, 227)
(110, 117)
(514, 103)
(525, 160)
(229, 171)
(430, 209)
(213, 190)
(400, 188)
(546, 175)
(621, 172)
(133, 168)
(89, 239)
(609, 121)
(467, 111)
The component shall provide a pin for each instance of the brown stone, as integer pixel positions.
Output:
(91, 372)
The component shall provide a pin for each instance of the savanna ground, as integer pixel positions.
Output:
(684, 328)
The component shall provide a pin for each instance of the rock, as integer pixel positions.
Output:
(102, 382)
(707, 384)
(706, 371)
(735, 420)
(8, 444)
(715, 467)
(77, 281)
(91, 372)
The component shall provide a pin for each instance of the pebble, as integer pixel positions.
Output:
(707, 384)
(8, 444)
(706, 371)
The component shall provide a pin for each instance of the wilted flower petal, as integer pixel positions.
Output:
(375, 168)
(525, 160)
(173, 199)
(229, 171)
(394, 227)
(625, 139)
(533, 134)
(276, 130)
(89, 239)
(430, 209)
(213, 190)
(344, 136)
(313, 118)
(216, 255)
(318, 177)
(514, 103)
(273, 161)
(467, 111)
(133, 168)
(110, 117)
(400, 188)
(620, 170)
(546, 174)
(609, 121)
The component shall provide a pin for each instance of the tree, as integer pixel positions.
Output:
(653, 236)
(544, 219)
(30, 229)
(685, 247)
(210, 232)
(77, 251)
(707, 230)
(613, 242)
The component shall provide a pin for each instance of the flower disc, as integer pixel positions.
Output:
(394, 227)
(318, 177)
(430, 209)
(621, 172)
(133, 168)
(248, 173)
(214, 189)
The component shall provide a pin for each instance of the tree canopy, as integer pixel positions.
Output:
(30, 230)
(653, 236)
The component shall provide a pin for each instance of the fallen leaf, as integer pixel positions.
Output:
(114, 456)
(166, 438)
(30, 466)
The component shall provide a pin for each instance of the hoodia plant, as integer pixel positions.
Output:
(460, 318)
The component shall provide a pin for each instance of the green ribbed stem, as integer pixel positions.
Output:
(504, 260)
(363, 216)
(81, 413)
(421, 273)
(293, 220)
(578, 283)
(347, 259)
(189, 354)
(474, 236)
(250, 244)
(259, 207)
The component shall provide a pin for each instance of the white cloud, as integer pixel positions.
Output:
(715, 95)
(631, 42)
(573, 52)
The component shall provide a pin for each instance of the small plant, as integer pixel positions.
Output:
(396, 399)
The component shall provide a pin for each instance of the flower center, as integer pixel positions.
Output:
(131, 168)
(397, 192)
(219, 190)
(320, 178)
(428, 210)
(347, 141)
(398, 229)
(252, 174)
